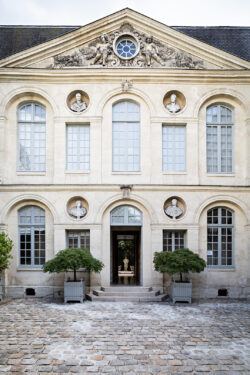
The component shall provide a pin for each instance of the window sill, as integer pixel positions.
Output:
(231, 269)
(29, 269)
(220, 175)
(126, 172)
(174, 173)
(30, 173)
(77, 172)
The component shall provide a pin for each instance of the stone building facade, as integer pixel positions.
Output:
(125, 130)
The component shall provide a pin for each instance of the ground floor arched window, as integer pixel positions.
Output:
(31, 236)
(220, 228)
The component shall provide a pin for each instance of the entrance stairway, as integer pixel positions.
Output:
(127, 294)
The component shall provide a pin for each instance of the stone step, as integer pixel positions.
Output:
(158, 298)
(123, 293)
(129, 289)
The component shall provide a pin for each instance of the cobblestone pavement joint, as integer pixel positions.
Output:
(43, 337)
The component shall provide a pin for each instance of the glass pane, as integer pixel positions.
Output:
(174, 148)
(78, 147)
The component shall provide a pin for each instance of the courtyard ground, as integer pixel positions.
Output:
(39, 337)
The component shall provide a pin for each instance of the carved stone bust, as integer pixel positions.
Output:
(173, 211)
(173, 106)
(78, 210)
(78, 105)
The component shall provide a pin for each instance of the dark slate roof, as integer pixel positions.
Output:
(234, 40)
(231, 39)
(14, 39)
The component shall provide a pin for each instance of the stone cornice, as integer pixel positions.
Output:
(114, 75)
(112, 187)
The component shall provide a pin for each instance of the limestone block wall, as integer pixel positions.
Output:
(100, 187)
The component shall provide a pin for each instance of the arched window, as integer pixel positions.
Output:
(126, 137)
(220, 237)
(31, 236)
(126, 215)
(32, 138)
(219, 139)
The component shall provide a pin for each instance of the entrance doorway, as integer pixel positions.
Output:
(125, 252)
(126, 257)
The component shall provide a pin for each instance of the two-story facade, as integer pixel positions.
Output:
(125, 131)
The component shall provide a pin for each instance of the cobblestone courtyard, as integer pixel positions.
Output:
(124, 338)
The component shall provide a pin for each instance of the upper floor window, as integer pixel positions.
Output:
(32, 138)
(220, 237)
(31, 236)
(173, 148)
(219, 139)
(126, 137)
(78, 150)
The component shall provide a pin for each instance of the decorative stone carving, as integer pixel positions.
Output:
(78, 101)
(151, 51)
(78, 105)
(173, 210)
(173, 106)
(126, 85)
(78, 210)
(125, 263)
(102, 50)
(127, 47)
(126, 190)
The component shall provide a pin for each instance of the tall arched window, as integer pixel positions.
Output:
(31, 236)
(219, 139)
(126, 137)
(32, 138)
(220, 237)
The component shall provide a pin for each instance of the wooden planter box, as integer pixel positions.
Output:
(181, 292)
(1, 290)
(74, 291)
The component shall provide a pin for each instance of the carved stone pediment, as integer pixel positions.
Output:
(127, 47)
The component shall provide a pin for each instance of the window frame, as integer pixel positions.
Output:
(126, 216)
(174, 231)
(78, 232)
(126, 122)
(220, 226)
(164, 162)
(68, 125)
(32, 227)
(219, 126)
(32, 123)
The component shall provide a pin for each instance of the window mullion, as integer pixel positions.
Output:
(32, 247)
(219, 246)
(173, 241)
(219, 148)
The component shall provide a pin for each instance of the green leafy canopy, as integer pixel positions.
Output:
(72, 260)
(178, 262)
(5, 251)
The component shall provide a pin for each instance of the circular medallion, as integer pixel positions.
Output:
(126, 47)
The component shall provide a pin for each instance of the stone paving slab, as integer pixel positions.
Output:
(43, 337)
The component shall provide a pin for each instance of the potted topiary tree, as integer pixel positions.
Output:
(5, 255)
(180, 261)
(73, 259)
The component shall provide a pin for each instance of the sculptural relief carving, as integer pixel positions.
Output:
(78, 105)
(173, 106)
(148, 52)
(173, 211)
(78, 211)
(127, 85)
